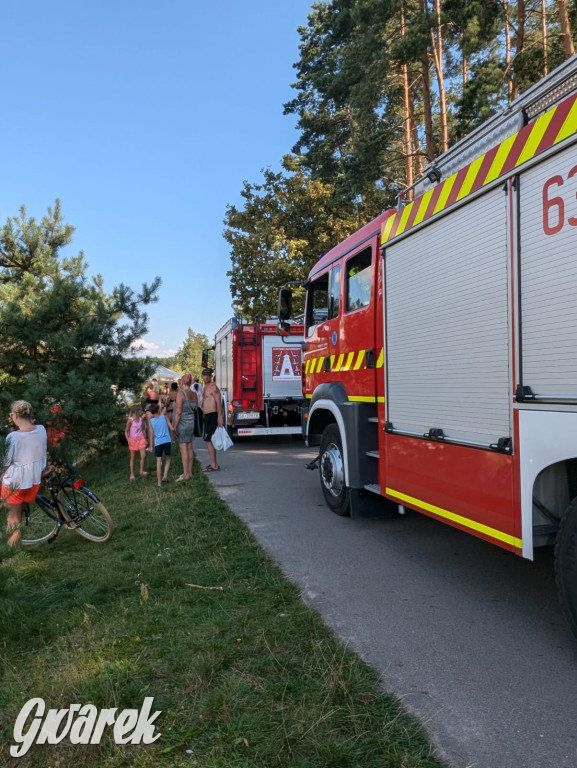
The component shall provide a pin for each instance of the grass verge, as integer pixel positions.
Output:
(183, 605)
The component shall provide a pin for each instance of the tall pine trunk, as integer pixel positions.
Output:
(437, 48)
(544, 37)
(416, 153)
(519, 41)
(407, 113)
(568, 45)
(427, 104)
(507, 32)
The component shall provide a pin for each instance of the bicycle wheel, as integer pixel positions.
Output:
(37, 524)
(84, 513)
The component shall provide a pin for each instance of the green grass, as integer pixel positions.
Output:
(245, 674)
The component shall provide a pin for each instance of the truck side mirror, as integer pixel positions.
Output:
(283, 328)
(285, 304)
(206, 357)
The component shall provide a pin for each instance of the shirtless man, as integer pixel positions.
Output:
(212, 412)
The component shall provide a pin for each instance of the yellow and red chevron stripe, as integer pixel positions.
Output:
(346, 361)
(343, 364)
(547, 130)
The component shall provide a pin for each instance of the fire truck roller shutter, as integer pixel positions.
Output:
(282, 367)
(548, 276)
(447, 317)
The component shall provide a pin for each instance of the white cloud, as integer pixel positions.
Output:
(142, 348)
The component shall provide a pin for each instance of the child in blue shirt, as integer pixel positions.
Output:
(159, 439)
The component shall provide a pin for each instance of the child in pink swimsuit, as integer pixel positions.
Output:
(136, 438)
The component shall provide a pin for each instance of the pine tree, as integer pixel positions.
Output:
(66, 343)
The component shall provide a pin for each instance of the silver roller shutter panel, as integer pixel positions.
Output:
(447, 325)
(549, 279)
(290, 385)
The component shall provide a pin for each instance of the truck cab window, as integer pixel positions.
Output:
(317, 303)
(358, 290)
(335, 291)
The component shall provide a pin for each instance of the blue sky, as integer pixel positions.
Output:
(145, 118)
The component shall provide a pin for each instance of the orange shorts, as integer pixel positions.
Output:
(19, 495)
(136, 443)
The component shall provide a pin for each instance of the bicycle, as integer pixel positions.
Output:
(70, 504)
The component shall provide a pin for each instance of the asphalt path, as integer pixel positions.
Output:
(469, 637)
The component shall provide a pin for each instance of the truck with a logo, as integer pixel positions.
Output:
(440, 350)
(260, 376)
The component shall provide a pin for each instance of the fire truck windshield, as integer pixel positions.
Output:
(317, 303)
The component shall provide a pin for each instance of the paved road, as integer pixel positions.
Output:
(470, 637)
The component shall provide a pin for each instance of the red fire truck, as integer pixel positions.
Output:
(260, 376)
(440, 362)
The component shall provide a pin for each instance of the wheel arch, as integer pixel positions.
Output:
(330, 404)
(322, 413)
(548, 469)
(554, 488)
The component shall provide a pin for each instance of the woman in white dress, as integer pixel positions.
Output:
(23, 464)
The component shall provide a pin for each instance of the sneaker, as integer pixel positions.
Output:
(132, 477)
(143, 474)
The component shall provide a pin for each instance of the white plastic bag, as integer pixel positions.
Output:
(221, 439)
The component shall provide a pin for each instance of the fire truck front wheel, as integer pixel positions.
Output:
(332, 471)
(566, 564)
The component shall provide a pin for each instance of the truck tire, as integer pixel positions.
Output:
(566, 564)
(332, 472)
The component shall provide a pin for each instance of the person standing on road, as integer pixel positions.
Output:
(23, 464)
(184, 415)
(212, 416)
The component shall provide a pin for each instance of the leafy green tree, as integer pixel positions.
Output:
(188, 358)
(66, 343)
(286, 224)
(505, 48)
(342, 98)
(383, 87)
